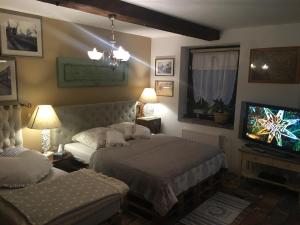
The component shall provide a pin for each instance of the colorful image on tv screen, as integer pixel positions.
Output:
(276, 127)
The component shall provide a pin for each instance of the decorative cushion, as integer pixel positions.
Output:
(126, 128)
(25, 169)
(141, 132)
(93, 138)
(115, 138)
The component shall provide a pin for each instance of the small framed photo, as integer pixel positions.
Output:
(275, 65)
(8, 80)
(164, 88)
(21, 35)
(164, 67)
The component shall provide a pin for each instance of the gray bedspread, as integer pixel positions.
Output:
(150, 167)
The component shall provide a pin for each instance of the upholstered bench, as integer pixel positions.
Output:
(83, 197)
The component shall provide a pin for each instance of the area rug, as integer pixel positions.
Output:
(220, 209)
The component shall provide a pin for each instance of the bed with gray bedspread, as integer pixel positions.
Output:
(156, 169)
(160, 168)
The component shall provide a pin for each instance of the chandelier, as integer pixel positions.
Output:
(115, 55)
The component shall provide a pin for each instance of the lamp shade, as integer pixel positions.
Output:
(44, 117)
(148, 96)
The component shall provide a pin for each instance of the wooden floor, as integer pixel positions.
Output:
(270, 205)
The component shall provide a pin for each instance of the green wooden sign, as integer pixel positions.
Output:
(75, 72)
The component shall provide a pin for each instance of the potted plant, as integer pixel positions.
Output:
(221, 112)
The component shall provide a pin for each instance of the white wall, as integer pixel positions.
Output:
(276, 94)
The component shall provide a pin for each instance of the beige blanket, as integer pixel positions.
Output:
(44, 202)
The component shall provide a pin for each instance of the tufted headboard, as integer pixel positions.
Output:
(10, 126)
(76, 118)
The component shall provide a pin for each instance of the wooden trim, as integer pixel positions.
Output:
(142, 16)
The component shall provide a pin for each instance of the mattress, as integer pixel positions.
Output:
(80, 151)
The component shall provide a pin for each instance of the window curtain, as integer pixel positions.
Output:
(214, 75)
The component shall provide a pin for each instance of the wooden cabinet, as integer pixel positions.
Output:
(281, 171)
(153, 123)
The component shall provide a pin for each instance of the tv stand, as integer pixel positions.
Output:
(272, 169)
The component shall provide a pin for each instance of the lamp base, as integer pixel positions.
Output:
(140, 109)
(45, 138)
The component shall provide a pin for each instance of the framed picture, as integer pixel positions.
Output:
(275, 65)
(8, 80)
(21, 35)
(164, 67)
(164, 88)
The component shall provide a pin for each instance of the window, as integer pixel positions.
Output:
(211, 85)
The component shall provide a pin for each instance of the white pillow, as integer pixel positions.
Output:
(93, 138)
(115, 138)
(126, 128)
(26, 168)
(141, 132)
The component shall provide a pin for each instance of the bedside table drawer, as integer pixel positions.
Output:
(153, 123)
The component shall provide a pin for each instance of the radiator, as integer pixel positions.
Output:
(201, 137)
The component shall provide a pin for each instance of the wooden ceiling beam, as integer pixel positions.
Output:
(138, 15)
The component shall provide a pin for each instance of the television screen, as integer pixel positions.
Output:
(272, 125)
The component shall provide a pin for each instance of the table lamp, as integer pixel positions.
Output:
(44, 118)
(148, 96)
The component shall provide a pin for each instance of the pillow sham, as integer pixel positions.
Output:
(93, 138)
(141, 132)
(25, 169)
(126, 128)
(115, 138)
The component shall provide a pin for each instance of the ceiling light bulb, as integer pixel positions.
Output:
(252, 66)
(95, 55)
(121, 54)
(265, 67)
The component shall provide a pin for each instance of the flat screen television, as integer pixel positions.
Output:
(277, 128)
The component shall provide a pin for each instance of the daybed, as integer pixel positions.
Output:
(82, 197)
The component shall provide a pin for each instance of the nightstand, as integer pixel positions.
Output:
(67, 163)
(152, 122)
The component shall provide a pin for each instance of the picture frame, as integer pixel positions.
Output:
(164, 88)
(21, 34)
(8, 79)
(275, 65)
(164, 66)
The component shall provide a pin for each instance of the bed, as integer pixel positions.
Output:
(16, 202)
(157, 170)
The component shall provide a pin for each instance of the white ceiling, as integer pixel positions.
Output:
(222, 14)
(228, 14)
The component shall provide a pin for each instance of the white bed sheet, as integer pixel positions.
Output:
(80, 151)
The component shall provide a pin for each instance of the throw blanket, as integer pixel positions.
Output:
(43, 202)
(160, 168)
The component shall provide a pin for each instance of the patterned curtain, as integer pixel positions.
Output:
(214, 75)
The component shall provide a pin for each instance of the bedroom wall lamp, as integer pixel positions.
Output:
(148, 96)
(44, 118)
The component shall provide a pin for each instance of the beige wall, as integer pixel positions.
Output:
(37, 78)
(275, 94)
